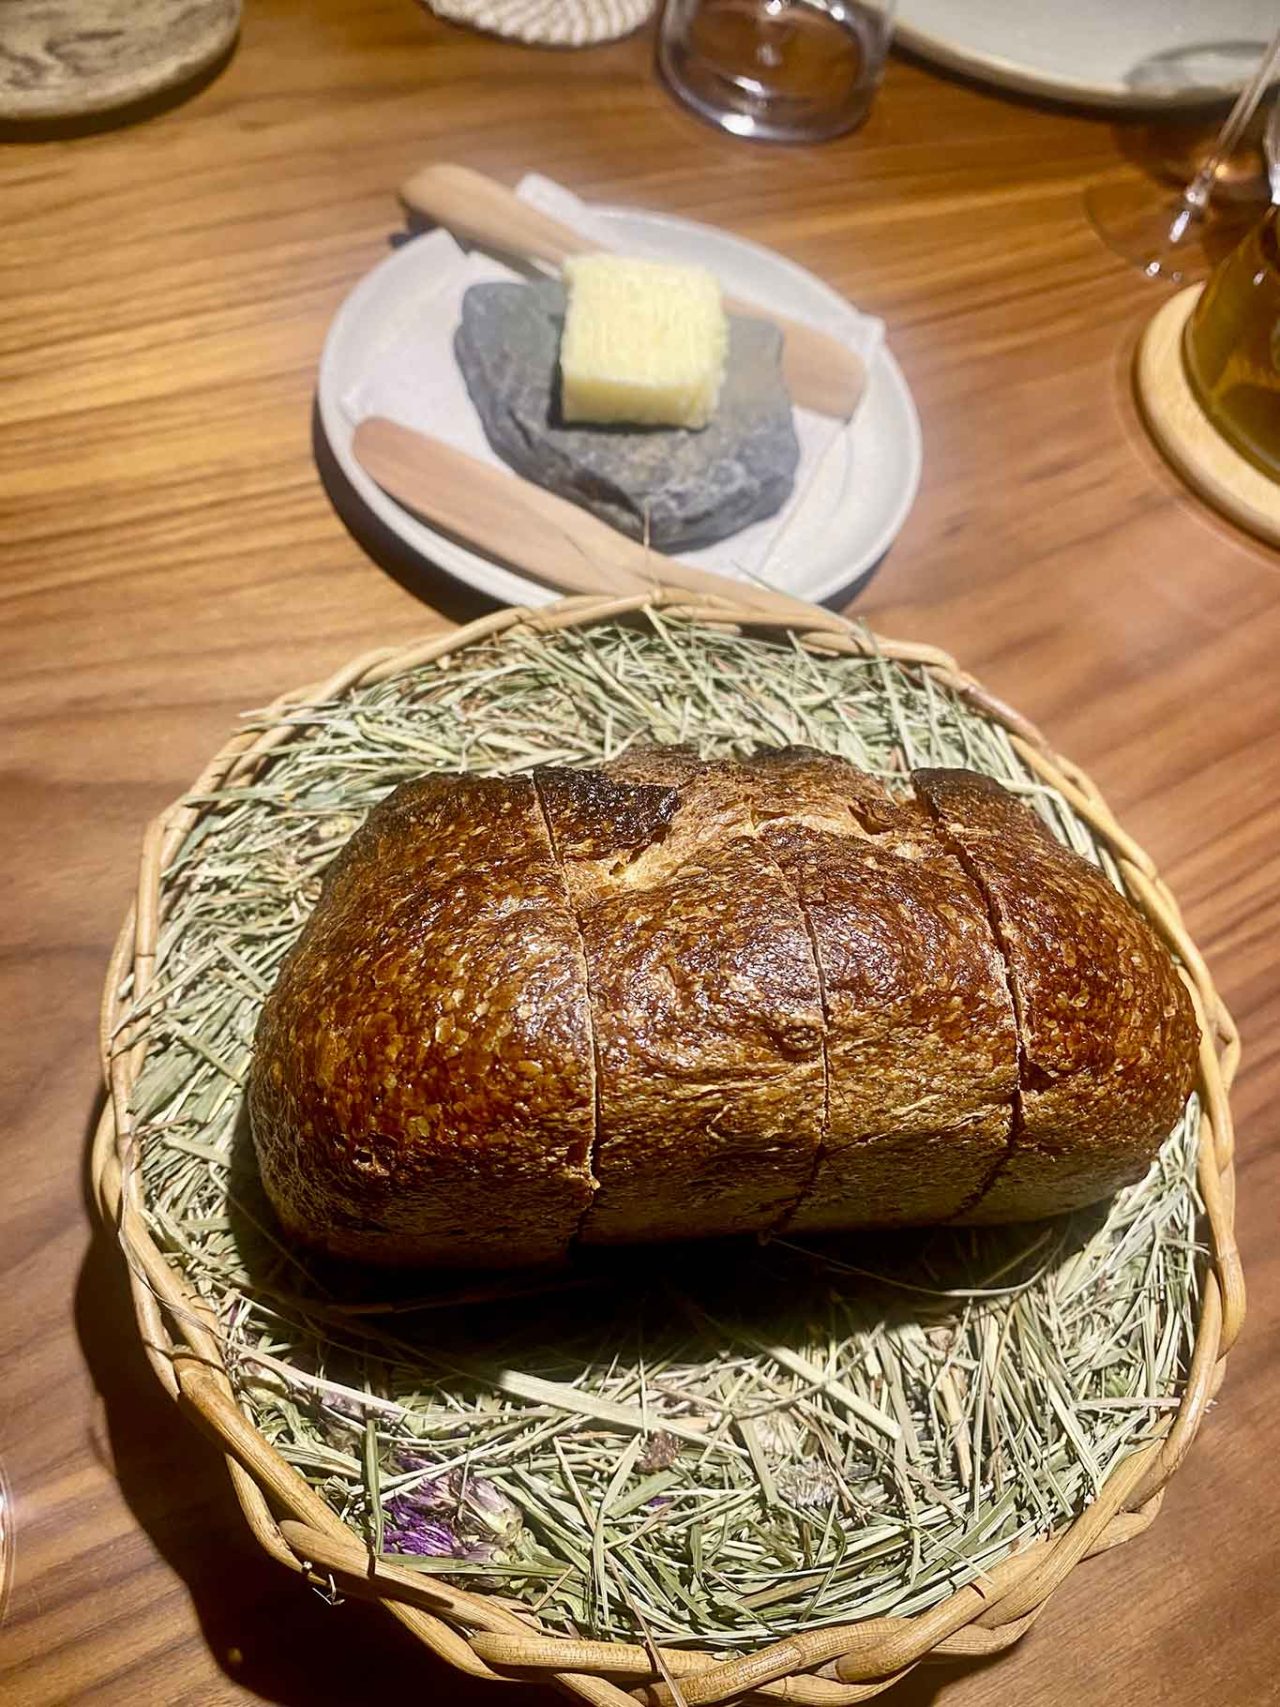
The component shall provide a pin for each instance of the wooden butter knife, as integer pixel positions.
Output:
(535, 531)
(821, 372)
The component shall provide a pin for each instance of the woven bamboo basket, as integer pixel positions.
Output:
(487, 1635)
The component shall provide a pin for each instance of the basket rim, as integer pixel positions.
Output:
(481, 1635)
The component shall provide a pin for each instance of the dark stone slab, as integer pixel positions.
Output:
(697, 487)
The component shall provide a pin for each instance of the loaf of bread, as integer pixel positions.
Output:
(675, 998)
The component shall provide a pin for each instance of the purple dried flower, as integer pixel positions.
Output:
(452, 1516)
(407, 1530)
(477, 1510)
(412, 1461)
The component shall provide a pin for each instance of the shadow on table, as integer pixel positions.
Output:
(1164, 146)
(423, 580)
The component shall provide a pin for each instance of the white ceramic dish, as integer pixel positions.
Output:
(1114, 53)
(852, 509)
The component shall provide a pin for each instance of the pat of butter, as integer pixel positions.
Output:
(644, 342)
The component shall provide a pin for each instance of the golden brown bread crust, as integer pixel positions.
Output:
(704, 996)
(422, 1089)
(1108, 1033)
(747, 994)
(920, 1039)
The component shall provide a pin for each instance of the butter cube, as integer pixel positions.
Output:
(644, 342)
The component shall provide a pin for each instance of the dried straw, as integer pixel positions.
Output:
(711, 1448)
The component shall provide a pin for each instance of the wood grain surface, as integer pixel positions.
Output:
(170, 557)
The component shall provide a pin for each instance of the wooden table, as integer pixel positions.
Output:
(170, 557)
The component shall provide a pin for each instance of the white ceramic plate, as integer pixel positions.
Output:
(852, 509)
(1115, 53)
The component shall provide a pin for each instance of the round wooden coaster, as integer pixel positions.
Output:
(65, 58)
(1187, 436)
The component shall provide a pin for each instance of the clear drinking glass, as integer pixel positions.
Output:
(1166, 235)
(781, 70)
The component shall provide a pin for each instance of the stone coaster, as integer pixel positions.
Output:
(679, 488)
(66, 58)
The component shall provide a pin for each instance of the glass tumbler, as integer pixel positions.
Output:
(780, 70)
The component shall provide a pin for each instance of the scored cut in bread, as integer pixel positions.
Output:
(1107, 1029)
(704, 999)
(672, 998)
(922, 1056)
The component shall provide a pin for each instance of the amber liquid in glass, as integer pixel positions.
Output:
(1232, 347)
(779, 68)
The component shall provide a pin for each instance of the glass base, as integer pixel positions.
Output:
(1151, 229)
(1155, 230)
(757, 127)
(776, 70)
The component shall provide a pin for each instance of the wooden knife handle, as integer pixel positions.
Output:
(821, 372)
(498, 513)
(511, 519)
(480, 210)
